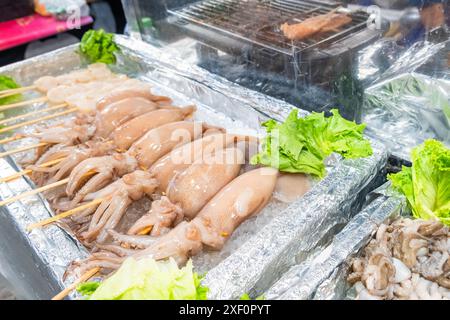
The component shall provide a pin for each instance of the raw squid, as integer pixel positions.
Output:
(132, 130)
(104, 169)
(68, 135)
(189, 191)
(96, 71)
(117, 113)
(75, 133)
(74, 156)
(130, 93)
(291, 186)
(118, 196)
(161, 140)
(181, 158)
(241, 198)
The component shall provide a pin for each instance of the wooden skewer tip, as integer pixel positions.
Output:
(86, 276)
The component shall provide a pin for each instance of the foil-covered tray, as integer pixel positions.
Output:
(260, 249)
(324, 276)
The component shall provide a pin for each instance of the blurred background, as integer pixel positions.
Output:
(29, 28)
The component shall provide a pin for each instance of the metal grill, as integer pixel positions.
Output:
(257, 22)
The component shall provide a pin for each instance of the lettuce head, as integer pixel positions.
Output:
(426, 184)
(301, 145)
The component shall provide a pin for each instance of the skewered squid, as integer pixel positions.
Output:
(161, 140)
(104, 169)
(189, 191)
(118, 196)
(181, 158)
(119, 95)
(240, 199)
(95, 71)
(117, 113)
(71, 155)
(74, 153)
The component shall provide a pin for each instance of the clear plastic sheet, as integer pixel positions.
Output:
(242, 42)
(409, 94)
(324, 276)
(367, 74)
(220, 102)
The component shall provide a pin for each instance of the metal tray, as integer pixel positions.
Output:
(34, 262)
(324, 277)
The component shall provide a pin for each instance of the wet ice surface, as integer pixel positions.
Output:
(134, 212)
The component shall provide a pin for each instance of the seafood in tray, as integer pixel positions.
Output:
(145, 165)
(389, 250)
(407, 259)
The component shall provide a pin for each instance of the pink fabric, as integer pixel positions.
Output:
(23, 30)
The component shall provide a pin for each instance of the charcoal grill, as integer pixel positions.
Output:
(249, 32)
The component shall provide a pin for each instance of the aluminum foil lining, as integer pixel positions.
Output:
(408, 94)
(49, 250)
(296, 233)
(324, 276)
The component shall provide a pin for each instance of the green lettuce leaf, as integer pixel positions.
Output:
(88, 288)
(9, 83)
(147, 279)
(426, 185)
(300, 145)
(246, 296)
(99, 46)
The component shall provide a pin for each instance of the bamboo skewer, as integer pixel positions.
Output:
(33, 192)
(21, 149)
(66, 214)
(26, 123)
(11, 92)
(13, 138)
(29, 114)
(28, 171)
(42, 189)
(22, 103)
(85, 277)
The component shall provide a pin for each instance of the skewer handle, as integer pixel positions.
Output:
(13, 138)
(33, 192)
(28, 171)
(22, 103)
(29, 114)
(18, 150)
(11, 92)
(86, 276)
(27, 123)
(64, 214)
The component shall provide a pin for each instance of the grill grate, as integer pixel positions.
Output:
(258, 21)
